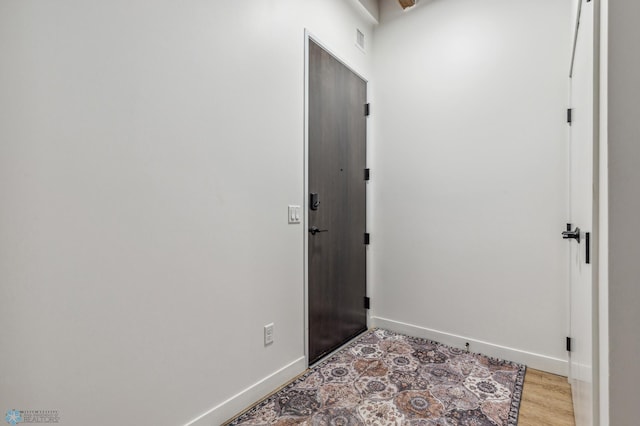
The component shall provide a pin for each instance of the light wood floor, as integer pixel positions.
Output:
(546, 400)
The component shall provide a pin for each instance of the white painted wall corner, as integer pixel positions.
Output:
(236, 404)
(530, 359)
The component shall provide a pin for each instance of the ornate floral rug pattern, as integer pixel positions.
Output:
(384, 378)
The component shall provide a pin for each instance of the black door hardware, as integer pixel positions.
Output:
(571, 235)
(314, 202)
(314, 230)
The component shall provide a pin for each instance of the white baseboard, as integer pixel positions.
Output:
(234, 405)
(530, 359)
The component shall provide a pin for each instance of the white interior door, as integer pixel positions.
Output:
(581, 216)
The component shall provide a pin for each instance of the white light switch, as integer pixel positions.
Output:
(294, 214)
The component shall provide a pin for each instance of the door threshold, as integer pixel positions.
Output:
(339, 348)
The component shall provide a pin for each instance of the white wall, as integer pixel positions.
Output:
(469, 174)
(372, 8)
(148, 152)
(624, 210)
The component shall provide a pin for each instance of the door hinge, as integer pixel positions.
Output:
(367, 303)
(568, 344)
(569, 116)
(367, 174)
(367, 109)
(587, 241)
(366, 238)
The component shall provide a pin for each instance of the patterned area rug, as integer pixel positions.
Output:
(384, 378)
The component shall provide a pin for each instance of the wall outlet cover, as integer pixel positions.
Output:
(268, 334)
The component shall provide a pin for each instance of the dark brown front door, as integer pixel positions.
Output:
(337, 222)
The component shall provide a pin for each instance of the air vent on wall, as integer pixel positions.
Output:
(359, 39)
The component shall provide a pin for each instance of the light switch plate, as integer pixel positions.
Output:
(295, 213)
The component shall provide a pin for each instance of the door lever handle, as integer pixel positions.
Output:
(572, 235)
(314, 230)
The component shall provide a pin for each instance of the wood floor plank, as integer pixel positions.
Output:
(546, 400)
